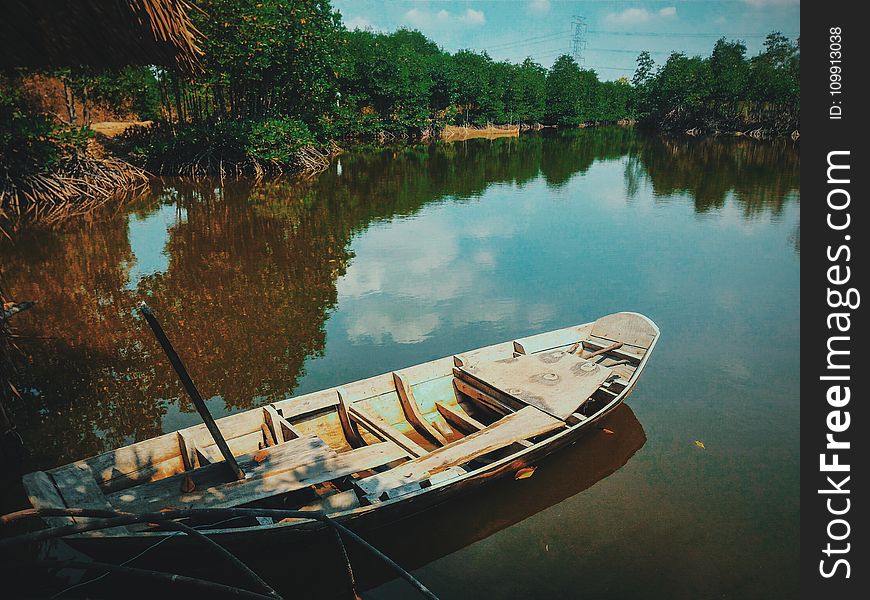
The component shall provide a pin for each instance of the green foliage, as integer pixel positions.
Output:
(726, 90)
(265, 58)
(280, 75)
(774, 75)
(564, 92)
(273, 143)
(729, 70)
(136, 87)
(576, 96)
(529, 91)
(277, 140)
(26, 143)
(29, 142)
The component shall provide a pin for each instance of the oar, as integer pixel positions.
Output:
(614, 346)
(192, 391)
(579, 346)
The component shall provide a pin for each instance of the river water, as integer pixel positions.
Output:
(405, 254)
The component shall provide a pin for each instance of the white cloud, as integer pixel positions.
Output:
(359, 23)
(637, 16)
(426, 19)
(539, 7)
(473, 17)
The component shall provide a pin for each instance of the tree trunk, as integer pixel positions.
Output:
(70, 102)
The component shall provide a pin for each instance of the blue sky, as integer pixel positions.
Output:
(617, 30)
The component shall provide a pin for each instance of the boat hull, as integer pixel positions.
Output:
(252, 540)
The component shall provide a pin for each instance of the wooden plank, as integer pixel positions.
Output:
(206, 456)
(78, 488)
(368, 388)
(549, 340)
(459, 419)
(348, 426)
(244, 444)
(268, 436)
(127, 461)
(494, 352)
(272, 419)
(630, 328)
(427, 371)
(280, 424)
(383, 430)
(517, 426)
(158, 457)
(556, 382)
(148, 473)
(42, 493)
(187, 448)
(481, 398)
(443, 428)
(575, 418)
(292, 408)
(169, 489)
(412, 411)
(447, 475)
(284, 468)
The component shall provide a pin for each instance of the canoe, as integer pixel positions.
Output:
(370, 452)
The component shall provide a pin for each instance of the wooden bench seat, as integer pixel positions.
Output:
(525, 423)
(293, 465)
(556, 382)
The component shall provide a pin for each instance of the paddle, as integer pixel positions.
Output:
(192, 391)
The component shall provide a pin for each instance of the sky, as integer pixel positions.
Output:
(616, 31)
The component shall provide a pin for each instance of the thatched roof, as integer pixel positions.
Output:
(44, 34)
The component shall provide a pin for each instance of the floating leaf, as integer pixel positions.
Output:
(524, 473)
(607, 431)
(699, 444)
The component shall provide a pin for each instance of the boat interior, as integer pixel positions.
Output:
(372, 441)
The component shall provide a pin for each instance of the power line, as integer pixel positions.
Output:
(524, 44)
(525, 41)
(629, 51)
(687, 35)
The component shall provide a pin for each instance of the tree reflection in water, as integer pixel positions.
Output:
(251, 270)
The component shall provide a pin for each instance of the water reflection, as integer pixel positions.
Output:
(246, 278)
(762, 176)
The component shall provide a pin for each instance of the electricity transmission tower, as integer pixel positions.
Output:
(578, 39)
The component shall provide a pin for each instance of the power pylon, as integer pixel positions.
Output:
(578, 39)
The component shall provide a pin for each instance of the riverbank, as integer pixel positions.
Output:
(77, 185)
(117, 159)
(123, 157)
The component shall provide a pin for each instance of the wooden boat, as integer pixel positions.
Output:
(369, 452)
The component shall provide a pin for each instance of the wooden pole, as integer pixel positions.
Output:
(202, 585)
(192, 391)
(115, 518)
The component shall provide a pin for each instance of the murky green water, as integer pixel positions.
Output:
(401, 255)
